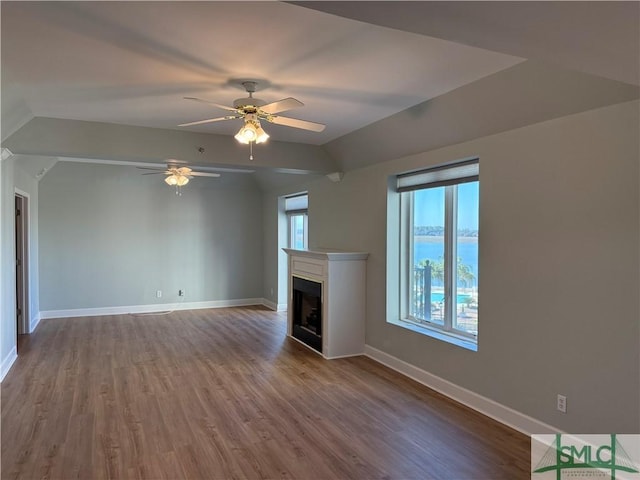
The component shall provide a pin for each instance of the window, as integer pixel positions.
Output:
(296, 209)
(439, 249)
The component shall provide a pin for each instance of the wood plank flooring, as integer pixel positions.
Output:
(223, 394)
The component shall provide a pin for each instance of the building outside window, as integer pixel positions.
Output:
(296, 207)
(439, 248)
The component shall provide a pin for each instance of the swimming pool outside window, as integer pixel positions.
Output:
(439, 248)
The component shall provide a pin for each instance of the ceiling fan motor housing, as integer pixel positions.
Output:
(242, 103)
(248, 102)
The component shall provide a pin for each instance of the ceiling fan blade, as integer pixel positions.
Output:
(223, 107)
(281, 105)
(204, 174)
(155, 173)
(294, 122)
(155, 169)
(210, 120)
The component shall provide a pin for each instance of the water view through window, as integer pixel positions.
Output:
(432, 256)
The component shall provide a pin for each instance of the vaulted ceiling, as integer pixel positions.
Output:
(106, 80)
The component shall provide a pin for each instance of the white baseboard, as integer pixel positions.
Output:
(33, 324)
(505, 415)
(8, 362)
(276, 307)
(161, 307)
(270, 305)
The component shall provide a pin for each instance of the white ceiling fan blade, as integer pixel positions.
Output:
(223, 107)
(294, 122)
(281, 105)
(204, 174)
(210, 120)
(155, 169)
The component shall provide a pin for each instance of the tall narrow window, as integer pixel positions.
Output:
(439, 248)
(296, 208)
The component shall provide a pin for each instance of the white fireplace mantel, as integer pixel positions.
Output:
(343, 279)
(333, 255)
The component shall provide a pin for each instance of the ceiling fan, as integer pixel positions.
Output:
(177, 176)
(252, 110)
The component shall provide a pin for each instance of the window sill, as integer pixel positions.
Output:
(437, 334)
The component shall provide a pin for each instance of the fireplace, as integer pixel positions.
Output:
(326, 301)
(307, 312)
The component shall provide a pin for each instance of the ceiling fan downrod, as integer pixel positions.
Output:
(250, 87)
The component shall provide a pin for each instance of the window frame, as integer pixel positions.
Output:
(296, 212)
(447, 330)
(291, 231)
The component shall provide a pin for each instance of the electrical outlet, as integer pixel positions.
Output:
(181, 293)
(271, 292)
(562, 403)
(158, 293)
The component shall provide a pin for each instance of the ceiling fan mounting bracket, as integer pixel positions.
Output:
(250, 86)
(255, 83)
(248, 104)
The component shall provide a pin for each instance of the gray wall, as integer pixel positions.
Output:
(14, 176)
(276, 237)
(110, 236)
(559, 257)
(7, 274)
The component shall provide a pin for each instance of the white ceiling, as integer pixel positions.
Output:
(132, 62)
(597, 37)
(375, 72)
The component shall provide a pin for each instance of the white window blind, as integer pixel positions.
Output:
(453, 173)
(296, 203)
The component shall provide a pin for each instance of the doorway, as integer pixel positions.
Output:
(21, 262)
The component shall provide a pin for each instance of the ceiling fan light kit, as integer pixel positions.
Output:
(178, 176)
(177, 180)
(251, 110)
(251, 131)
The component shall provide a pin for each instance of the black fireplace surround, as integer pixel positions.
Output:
(307, 312)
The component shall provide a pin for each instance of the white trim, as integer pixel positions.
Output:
(505, 415)
(22, 193)
(276, 307)
(5, 153)
(270, 305)
(33, 324)
(161, 307)
(8, 362)
(336, 357)
(103, 161)
(26, 257)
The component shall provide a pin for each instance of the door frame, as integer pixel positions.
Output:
(23, 326)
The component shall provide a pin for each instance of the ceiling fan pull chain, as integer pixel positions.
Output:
(250, 150)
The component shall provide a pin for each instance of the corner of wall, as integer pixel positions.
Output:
(34, 322)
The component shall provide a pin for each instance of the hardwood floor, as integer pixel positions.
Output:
(221, 394)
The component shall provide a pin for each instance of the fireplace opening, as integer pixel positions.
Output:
(307, 312)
